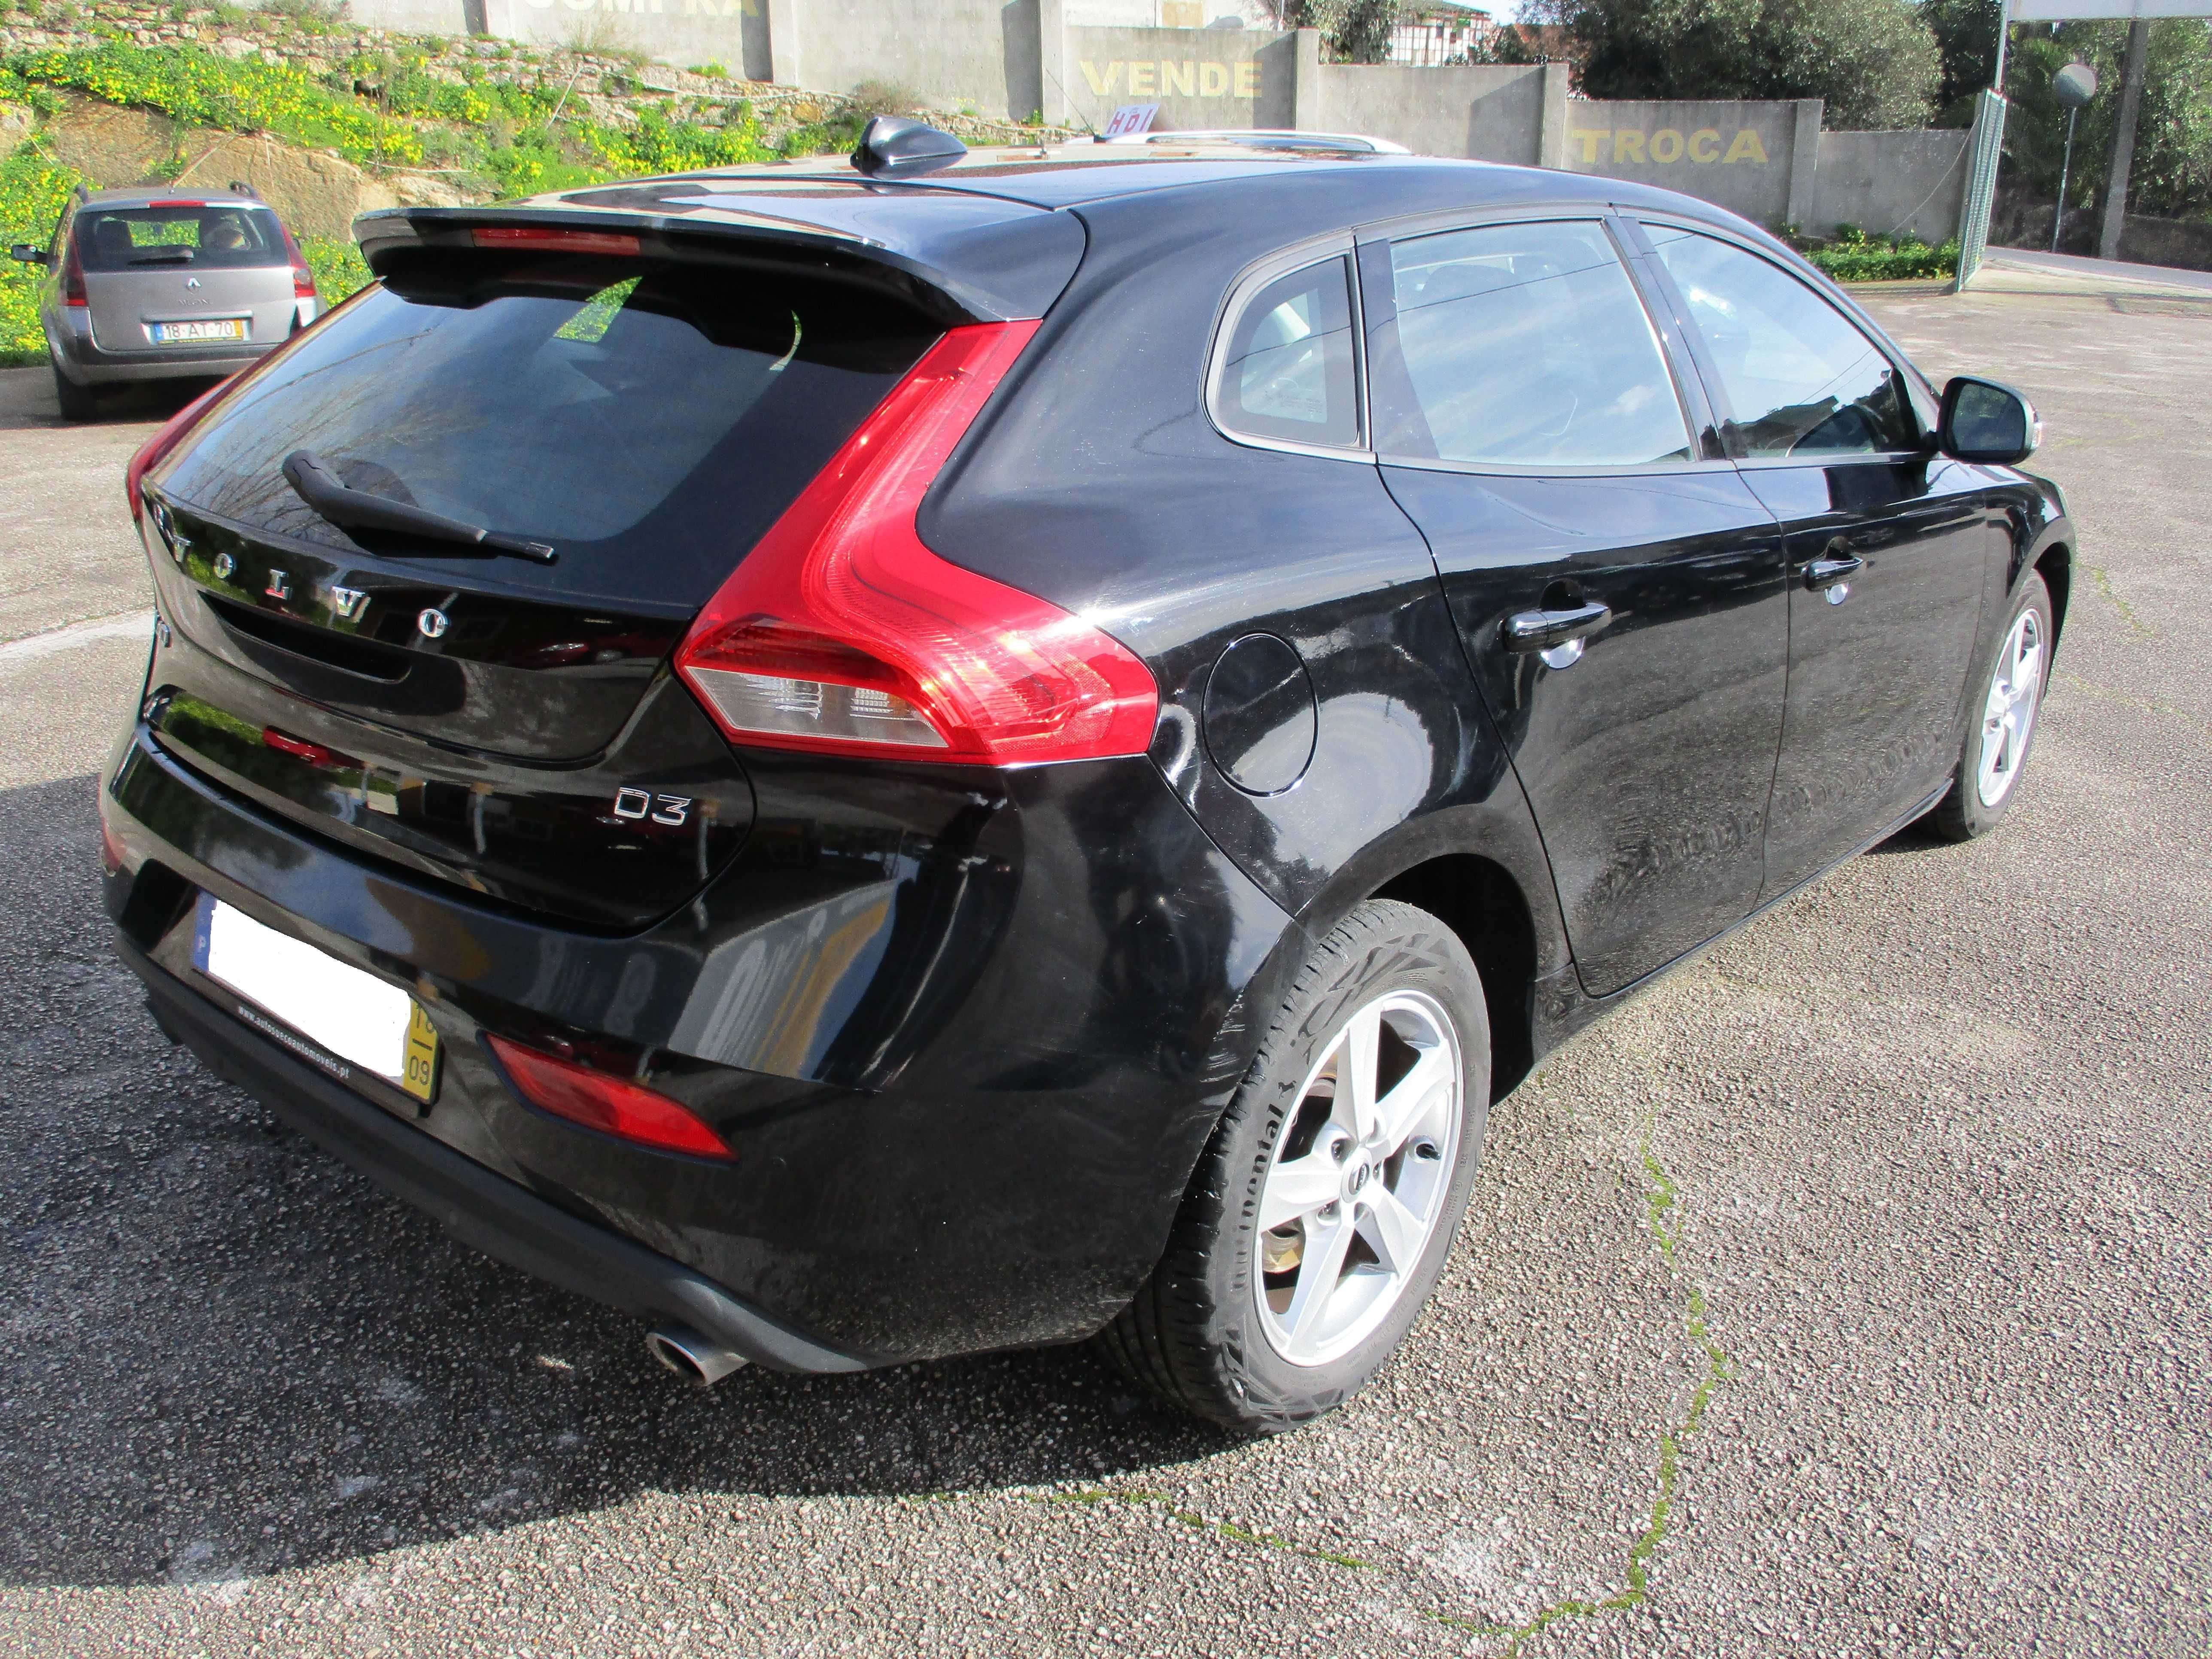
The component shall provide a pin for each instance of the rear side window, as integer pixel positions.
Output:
(648, 420)
(203, 238)
(1799, 377)
(1526, 345)
(1288, 372)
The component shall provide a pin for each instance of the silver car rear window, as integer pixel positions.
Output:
(184, 233)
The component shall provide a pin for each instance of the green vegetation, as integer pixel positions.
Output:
(1875, 62)
(208, 90)
(503, 137)
(1854, 256)
(34, 189)
(340, 271)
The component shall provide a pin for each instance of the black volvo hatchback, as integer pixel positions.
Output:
(999, 748)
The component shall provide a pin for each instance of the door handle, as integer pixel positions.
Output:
(1540, 630)
(1830, 577)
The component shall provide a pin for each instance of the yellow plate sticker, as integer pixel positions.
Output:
(419, 1077)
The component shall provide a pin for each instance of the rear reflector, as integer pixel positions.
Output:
(300, 749)
(553, 239)
(613, 1105)
(841, 633)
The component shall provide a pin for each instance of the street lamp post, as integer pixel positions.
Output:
(2075, 85)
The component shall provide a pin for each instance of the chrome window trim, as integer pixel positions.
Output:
(1340, 245)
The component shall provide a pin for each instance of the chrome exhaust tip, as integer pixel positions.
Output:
(691, 1356)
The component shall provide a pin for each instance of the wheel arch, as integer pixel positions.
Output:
(1482, 871)
(2055, 564)
(1478, 900)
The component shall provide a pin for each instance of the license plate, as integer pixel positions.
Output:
(293, 992)
(225, 328)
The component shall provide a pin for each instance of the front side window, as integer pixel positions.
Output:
(1526, 345)
(1799, 377)
(1289, 371)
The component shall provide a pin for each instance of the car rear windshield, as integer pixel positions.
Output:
(204, 238)
(648, 420)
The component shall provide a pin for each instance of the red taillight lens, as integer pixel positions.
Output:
(613, 1105)
(840, 632)
(553, 239)
(73, 276)
(303, 278)
(150, 453)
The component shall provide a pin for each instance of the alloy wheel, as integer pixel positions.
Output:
(2009, 712)
(1357, 1180)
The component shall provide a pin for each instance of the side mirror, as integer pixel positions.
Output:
(27, 254)
(1988, 422)
(898, 147)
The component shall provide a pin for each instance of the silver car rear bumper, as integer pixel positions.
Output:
(88, 365)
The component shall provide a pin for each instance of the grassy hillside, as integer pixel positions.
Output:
(508, 127)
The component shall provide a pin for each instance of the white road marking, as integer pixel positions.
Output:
(123, 625)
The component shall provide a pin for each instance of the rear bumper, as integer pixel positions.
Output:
(499, 1217)
(965, 1048)
(88, 365)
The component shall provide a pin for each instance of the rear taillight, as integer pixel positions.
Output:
(841, 633)
(73, 276)
(303, 277)
(150, 453)
(613, 1105)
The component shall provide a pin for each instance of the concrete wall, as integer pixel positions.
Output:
(1769, 161)
(1759, 159)
(1198, 77)
(1489, 113)
(982, 52)
(1890, 182)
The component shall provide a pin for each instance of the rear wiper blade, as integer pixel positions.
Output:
(357, 509)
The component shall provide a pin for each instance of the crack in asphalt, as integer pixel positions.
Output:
(2103, 578)
(1661, 1198)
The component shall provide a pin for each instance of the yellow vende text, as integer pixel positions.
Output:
(1162, 77)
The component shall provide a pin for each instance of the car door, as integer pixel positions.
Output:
(1890, 544)
(1616, 584)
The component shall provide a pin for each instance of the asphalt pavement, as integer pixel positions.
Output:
(1850, 1294)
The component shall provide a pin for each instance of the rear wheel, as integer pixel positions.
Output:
(1321, 1213)
(78, 403)
(1997, 744)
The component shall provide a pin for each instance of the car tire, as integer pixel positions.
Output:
(79, 403)
(2012, 676)
(1213, 1330)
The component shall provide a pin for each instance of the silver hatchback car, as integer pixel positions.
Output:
(147, 284)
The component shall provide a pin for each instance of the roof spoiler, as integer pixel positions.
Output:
(954, 274)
